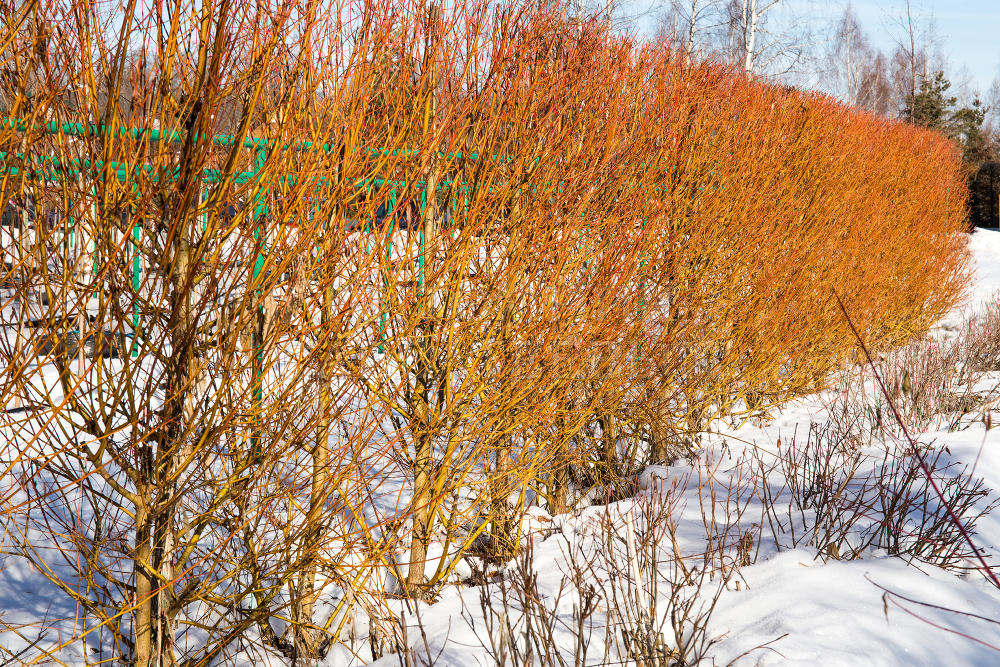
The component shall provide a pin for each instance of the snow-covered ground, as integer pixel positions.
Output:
(709, 552)
(793, 604)
(985, 247)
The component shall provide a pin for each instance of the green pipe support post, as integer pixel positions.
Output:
(257, 384)
(391, 215)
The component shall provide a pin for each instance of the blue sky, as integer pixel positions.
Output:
(968, 31)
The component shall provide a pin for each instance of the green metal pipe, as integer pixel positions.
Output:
(391, 214)
(137, 133)
(257, 385)
(136, 283)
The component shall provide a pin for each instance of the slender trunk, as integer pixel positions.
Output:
(421, 496)
(503, 540)
(658, 442)
(154, 533)
(750, 19)
(422, 433)
(142, 617)
(306, 640)
(689, 49)
(609, 441)
(559, 478)
(424, 368)
(155, 537)
(913, 60)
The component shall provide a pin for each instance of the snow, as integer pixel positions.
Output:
(985, 248)
(834, 614)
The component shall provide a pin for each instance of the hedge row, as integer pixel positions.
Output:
(485, 257)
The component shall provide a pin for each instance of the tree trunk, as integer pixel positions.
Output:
(423, 437)
(689, 47)
(306, 641)
(424, 371)
(750, 20)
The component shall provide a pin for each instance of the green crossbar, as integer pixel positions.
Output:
(141, 133)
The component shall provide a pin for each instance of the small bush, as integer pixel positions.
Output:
(842, 497)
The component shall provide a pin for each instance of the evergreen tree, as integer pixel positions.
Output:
(967, 128)
(932, 107)
(929, 106)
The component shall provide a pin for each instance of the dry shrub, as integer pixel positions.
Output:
(844, 495)
(625, 593)
(860, 481)
(979, 343)
(940, 381)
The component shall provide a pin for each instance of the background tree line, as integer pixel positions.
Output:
(911, 80)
